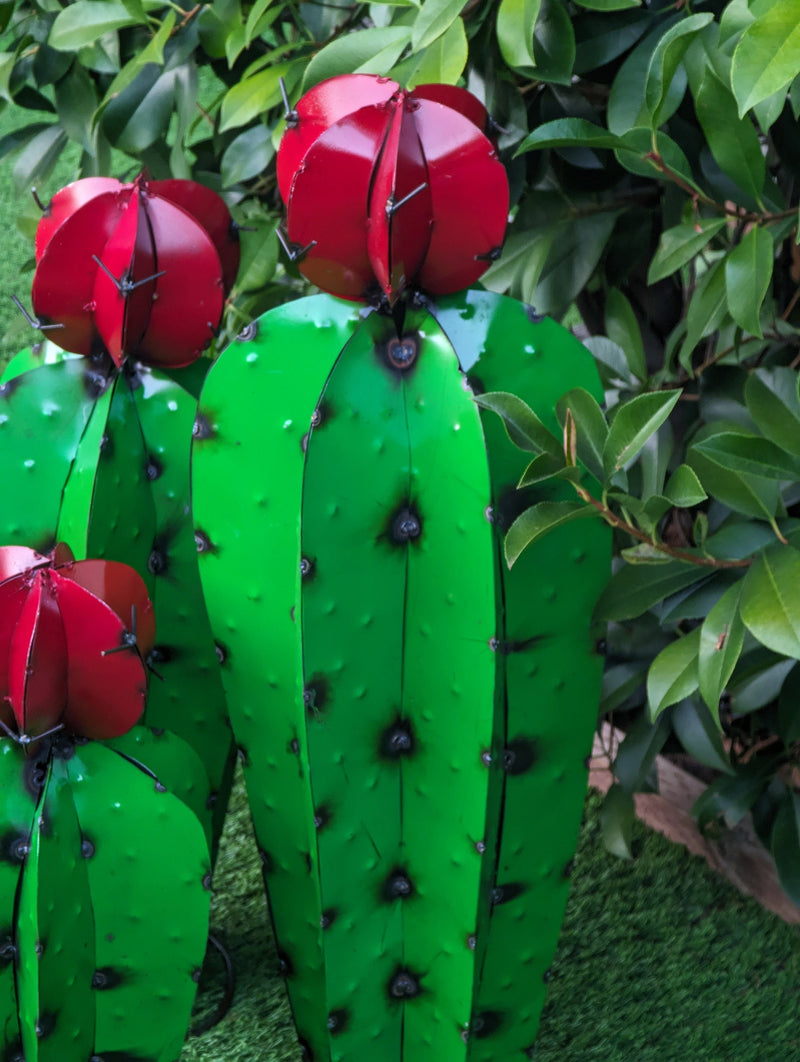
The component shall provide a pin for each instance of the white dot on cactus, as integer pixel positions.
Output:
(172, 406)
(29, 463)
(251, 357)
(286, 425)
(456, 427)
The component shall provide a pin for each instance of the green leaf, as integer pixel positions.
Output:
(542, 467)
(76, 101)
(785, 844)
(772, 401)
(721, 640)
(733, 141)
(789, 707)
(748, 275)
(153, 53)
(684, 489)
(700, 736)
(770, 605)
(759, 686)
(516, 21)
(523, 426)
(84, 21)
(633, 425)
(767, 56)
(623, 328)
(608, 5)
(247, 155)
(259, 256)
(616, 821)
(251, 97)
(633, 590)
(752, 495)
(613, 363)
(731, 796)
(637, 753)
(370, 51)
(434, 18)
(665, 61)
(619, 683)
(673, 674)
(577, 245)
(680, 244)
(569, 132)
(626, 105)
(590, 427)
(521, 251)
(554, 43)
(750, 454)
(640, 155)
(443, 61)
(38, 157)
(706, 310)
(539, 520)
(254, 15)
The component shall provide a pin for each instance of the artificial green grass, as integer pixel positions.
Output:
(660, 960)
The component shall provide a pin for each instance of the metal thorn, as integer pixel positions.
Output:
(38, 201)
(124, 286)
(289, 113)
(392, 206)
(34, 322)
(293, 252)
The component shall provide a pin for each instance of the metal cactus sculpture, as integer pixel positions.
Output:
(414, 719)
(104, 873)
(96, 448)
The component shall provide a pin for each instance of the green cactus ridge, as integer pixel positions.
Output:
(413, 718)
(100, 459)
(104, 904)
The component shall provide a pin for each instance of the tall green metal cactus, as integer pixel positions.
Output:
(414, 719)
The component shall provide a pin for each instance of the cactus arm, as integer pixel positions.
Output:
(43, 415)
(190, 700)
(149, 874)
(174, 763)
(247, 496)
(448, 691)
(552, 674)
(76, 502)
(33, 357)
(357, 481)
(17, 810)
(55, 940)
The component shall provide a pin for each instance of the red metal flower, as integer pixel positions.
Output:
(73, 635)
(402, 188)
(137, 269)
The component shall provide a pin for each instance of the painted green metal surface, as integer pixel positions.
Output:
(55, 932)
(248, 463)
(352, 612)
(149, 873)
(33, 357)
(546, 645)
(448, 690)
(43, 415)
(79, 487)
(188, 697)
(17, 812)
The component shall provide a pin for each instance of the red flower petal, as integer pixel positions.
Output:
(123, 590)
(38, 660)
(17, 559)
(64, 204)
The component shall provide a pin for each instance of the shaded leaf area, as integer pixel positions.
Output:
(694, 969)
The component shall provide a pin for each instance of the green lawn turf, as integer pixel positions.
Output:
(659, 960)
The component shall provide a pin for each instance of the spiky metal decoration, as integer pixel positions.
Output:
(104, 873)
(414, 719)
(96, 448)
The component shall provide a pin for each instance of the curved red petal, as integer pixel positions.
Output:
(66, 201)
(63, 284)
(62, 554)
(13, 595)
(121, 316)
(457, 99)
(209, 210)
(189, 296)
(17, 559)
(37, 683)
(321, 107)
(106, 679)
(123, 590)
(470, 199)
(329, 201)
(400, 205)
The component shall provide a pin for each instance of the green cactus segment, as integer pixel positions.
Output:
(448, 691)
(43, 415)
(188, 698)
(76, 502)
(55, 932)
(174, 763)
(551, 681)
(248, 463)
(33, 357)
(17, 811)
(357, 481)
(149, 874)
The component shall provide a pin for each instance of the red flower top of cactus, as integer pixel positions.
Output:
(137, 269)
(72, 639)
(402, 188)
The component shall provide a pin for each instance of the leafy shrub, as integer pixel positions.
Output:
(654, 163)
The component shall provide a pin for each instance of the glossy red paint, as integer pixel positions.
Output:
(140, 270)
(388, 189)
(73, 635)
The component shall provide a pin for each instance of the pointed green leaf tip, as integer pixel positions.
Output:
(770, 605)
(538, 520)
(633, 425)
(673, 674)
(523, 426)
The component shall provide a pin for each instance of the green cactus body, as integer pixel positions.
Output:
(101, 461)
(382, 666)
(108, 915)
